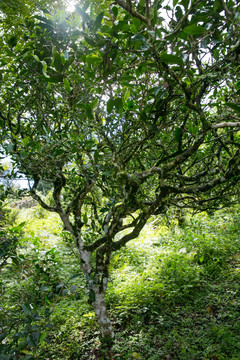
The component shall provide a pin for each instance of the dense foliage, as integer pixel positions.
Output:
(173, 294)
(123, 113)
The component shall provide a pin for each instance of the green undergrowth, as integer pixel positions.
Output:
(174, 293)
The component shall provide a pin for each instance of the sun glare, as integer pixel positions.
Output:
(70, 6)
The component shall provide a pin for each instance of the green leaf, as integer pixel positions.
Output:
(67, 85)
(218, 7)
(94, 104)
(12, 41)
(98, 21)
(126, 95)
(136, 22)
(43, 336)
(74, 276)
(10, 147)
(56, 78)
(138, 37)
(171, 59)
(44, 69)
(54, 50)
(26, 308)
(58, 62)
(194, 29)
(67, 64)
(89, 40)
(175, 2)
(190, 128)
(73, 288)
(60, 286)
(178, 13)
(234, 106)
(110, 105)
(45, 288)
(118, 103)
(141, 42)
(115, 11)
(92, 295)
(85, 218)
(105, 29)
(18, 228)
(66, 55)
(26, 352)
(26, 140)
(89, 111)
(36, 58)
(185, 4)
(93, 58)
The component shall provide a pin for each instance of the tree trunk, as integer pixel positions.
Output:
(102, 316)
(98, 304)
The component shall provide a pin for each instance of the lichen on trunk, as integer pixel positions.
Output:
(97, 286)
(102, 315)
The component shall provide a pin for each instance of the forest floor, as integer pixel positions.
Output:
(174, 292)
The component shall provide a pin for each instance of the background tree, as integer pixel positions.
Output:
(124, 113)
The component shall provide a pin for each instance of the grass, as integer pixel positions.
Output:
(173, 293)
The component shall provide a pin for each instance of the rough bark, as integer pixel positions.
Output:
(99, 290)
(102, 315)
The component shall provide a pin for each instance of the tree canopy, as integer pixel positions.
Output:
(124, 112)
